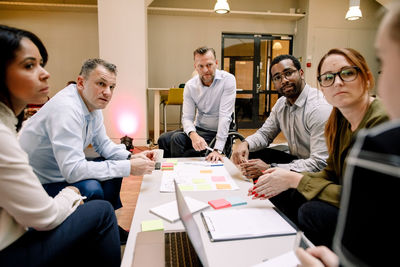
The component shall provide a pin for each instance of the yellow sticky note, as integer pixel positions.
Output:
(205, 171)
(186, 187)
(223, 186)
(204, 187)
(152, 225)
(174, 161)
(199, 181)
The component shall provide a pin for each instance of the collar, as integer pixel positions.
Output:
(301, 100)
(86, 112)
(8, 117)
(218, 76)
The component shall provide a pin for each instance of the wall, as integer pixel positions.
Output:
(327, 28)
(70, 38)
(172, 39)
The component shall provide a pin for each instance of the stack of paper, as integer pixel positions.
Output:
(169, 211)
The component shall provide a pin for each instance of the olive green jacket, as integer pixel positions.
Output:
(326, 185)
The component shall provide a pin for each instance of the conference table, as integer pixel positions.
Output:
(244, 252)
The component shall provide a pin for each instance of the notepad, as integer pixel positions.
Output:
(236, 201)
(169, 211)
(231, 224)
(219, 203)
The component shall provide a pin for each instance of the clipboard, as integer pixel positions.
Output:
(236, 224)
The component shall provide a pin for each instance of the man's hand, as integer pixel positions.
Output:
(253, 168)
(215, 156)
(141, 166)
(148, 154)
(240, 153)
(198, 142)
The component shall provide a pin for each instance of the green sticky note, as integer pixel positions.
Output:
(186, 187)
(199, 181)
(204, 187)
(152, 225)
(174, 161)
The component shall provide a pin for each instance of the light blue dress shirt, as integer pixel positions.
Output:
(56, 136)
(214, 105)
(303, 125)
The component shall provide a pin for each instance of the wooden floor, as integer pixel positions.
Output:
(131, 187)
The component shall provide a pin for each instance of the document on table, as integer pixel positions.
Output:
(245, 223)
(169, 211)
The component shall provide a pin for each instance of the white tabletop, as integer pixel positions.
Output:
(227, 253)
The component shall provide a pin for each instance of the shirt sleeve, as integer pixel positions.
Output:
(105, 147)
(66, 134)
(318, 151)
(264, 136)
(23, 196)
(322, 185)
(188, 109)
(227, 106)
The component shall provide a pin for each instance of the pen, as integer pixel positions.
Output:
(209, 148)
(215, 165)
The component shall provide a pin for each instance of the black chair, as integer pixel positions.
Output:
(233, 134)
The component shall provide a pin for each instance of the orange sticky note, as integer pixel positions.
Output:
(205, 171)
(223, 186)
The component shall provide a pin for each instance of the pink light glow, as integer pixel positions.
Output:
(127, 123)
(126, 115)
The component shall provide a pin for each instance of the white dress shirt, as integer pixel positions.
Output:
(56, 136)
(303, 125)
(214, 105)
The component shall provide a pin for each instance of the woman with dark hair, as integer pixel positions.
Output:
(312, 200)
(36, 229)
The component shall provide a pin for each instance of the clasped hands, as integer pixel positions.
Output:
(142, 163)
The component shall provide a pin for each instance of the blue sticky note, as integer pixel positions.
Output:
(236, 201)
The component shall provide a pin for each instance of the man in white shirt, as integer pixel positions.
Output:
(211, 94)
(56, 136)
(301, 114)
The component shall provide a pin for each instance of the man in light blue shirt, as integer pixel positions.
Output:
(208, 104)
(56, 136)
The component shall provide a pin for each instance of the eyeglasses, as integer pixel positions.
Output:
(346, 74)
(277, 78)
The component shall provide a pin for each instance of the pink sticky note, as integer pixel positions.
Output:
(218, 178)
(219, 203)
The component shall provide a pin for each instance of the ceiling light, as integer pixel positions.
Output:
(221, 7)
(277, 46)
(354, 11)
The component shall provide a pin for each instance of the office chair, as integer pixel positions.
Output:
(175, 97)
(233, 134)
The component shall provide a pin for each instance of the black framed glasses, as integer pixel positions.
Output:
(277, 78)
(346, 74)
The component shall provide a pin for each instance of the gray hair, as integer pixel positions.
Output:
(91, 64)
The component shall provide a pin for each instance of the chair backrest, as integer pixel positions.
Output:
(175, 96)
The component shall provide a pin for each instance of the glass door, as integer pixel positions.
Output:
(248, 57)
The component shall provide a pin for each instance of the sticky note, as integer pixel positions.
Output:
(199, 181)
(205, 171)
(204, 187)
(223, 186)
(218, 178)
(219, 203)
(173, 161)
(186, 187)
(152, 225)
(236, 201)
